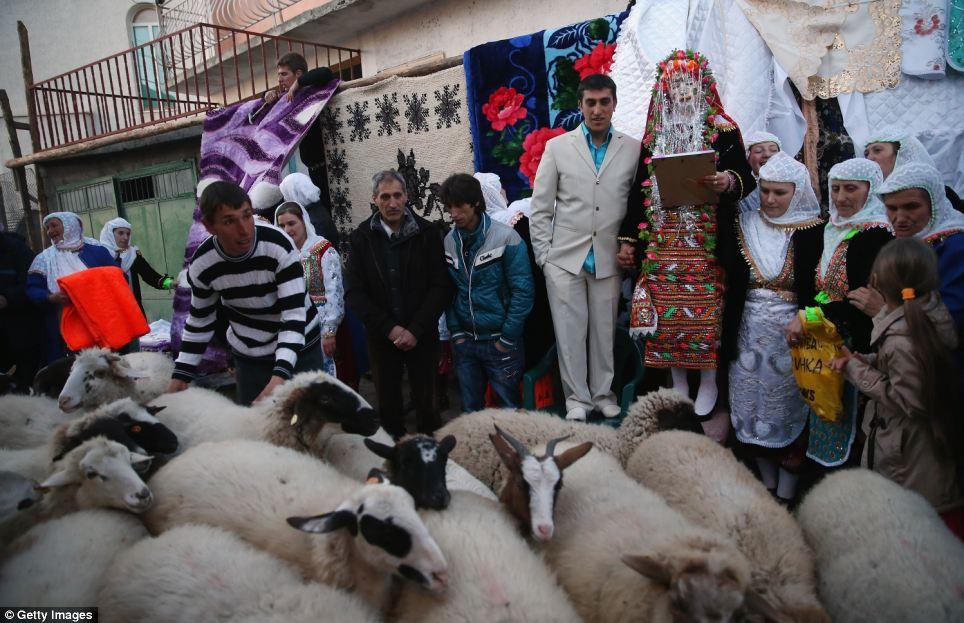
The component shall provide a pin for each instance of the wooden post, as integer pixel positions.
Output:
(32, 116)
(20, 173)
(810, 140)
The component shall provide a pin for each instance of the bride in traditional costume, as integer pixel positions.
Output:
(781, 243)
(677, 301)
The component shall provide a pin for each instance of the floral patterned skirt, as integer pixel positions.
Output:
(686, 295)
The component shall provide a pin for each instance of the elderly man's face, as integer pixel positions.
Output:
(390, 201)
(908, 210)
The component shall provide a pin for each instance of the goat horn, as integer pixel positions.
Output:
(551, 446)
(517, 445)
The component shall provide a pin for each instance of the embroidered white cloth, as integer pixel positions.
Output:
(870, 214)
(944, 218)
(923, 32)
(128, 255)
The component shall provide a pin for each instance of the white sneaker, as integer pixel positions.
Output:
(577, 414)
(611, 410)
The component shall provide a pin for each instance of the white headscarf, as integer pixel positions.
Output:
(63, 257)
(910, 150)
(755, 138)
(311, 237)
(299, 188)
(492, 192)
(128, 255)
(767, 239)
(871, 214)
(945, 219)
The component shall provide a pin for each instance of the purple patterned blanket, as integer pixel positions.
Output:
(246, 144)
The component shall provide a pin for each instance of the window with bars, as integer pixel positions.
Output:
(160, 186)
(88, 198)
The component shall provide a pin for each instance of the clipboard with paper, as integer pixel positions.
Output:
(678, 178)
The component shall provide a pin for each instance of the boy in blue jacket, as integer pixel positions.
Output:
(489, 265)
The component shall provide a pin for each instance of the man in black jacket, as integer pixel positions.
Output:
(398, 286)
(19, 326)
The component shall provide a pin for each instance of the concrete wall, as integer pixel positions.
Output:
(64, 34)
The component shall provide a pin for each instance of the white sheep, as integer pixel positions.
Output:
(28, 421)
(123, 421)
(703, 480)
(883, 553)
(493, 574)
(96, 474)
(302, 413)
(661, 409)
(252, 488)
(17, 493)
(201, 573)
(99, 376)
(617, 548)
(62, 562)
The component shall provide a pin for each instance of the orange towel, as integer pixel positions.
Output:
(102, 310)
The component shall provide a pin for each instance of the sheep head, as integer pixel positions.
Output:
(417, 464)
(101, 474)
(123, 421)
(97, 376)
(534, 483)
(388, 533)
(301, 407)
(706, 581)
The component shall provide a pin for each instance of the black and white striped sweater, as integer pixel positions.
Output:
(263, 294)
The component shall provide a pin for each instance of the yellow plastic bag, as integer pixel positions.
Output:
(821, 387)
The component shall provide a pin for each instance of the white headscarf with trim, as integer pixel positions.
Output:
(63, 257)
(910, 150)
(945, 219)
(311, 236)
(752, 201)
(128, 255)
(299, 188)
(871, 214)
(767, 239)
(492, 192)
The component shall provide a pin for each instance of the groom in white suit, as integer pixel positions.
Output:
(581, 242)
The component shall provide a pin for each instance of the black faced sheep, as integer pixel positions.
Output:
(201, 573)
(883, 553)
(252, 488)
(658, 410)
(703, 480)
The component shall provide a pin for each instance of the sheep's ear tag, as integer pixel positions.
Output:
(294, 419)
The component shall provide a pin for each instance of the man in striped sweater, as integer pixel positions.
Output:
(255, 272)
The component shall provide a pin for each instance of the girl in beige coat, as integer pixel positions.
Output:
(912, 422)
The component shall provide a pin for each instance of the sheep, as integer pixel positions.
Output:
(295, 416)
(98, 473)
(99, 376)
(8, 382)
(28, 421)
(883, 553)
(657, 410)
(705, 483)
(419, 464)
(49, 380)
(618, 549)
(201, 573)
(123, 421)
(482, 544)
(17, 492)
(252, 487)
(62, 562)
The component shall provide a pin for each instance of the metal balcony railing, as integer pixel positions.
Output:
(178, 75)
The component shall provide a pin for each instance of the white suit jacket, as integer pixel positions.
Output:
(575, 208)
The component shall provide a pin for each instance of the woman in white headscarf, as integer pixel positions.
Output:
(322, 267)
(69, 252)
(299, 188)
(760, 146)
(115, 235)
(857, 231)
(892, 147)
(780, 243)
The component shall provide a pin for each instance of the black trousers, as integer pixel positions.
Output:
(251, 375)
(388, 363)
